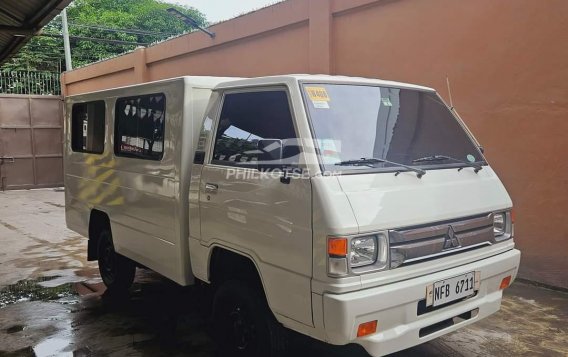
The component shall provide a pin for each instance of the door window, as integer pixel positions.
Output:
(249, 117)
(88, 127)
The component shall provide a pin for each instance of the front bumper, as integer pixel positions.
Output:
(395, 307)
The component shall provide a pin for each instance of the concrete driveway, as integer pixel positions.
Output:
(52, 302)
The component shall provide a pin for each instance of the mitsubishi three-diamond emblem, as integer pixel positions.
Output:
(451, 240)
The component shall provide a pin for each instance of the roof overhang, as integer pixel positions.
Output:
(20, 20)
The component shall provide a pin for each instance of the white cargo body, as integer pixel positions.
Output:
(351, 210)
(145, 200)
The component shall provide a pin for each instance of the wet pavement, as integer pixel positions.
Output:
(53, 303)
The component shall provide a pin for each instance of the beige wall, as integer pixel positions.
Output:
(507, 62)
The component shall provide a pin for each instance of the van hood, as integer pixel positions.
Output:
(383, 201)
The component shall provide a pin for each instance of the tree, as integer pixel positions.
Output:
(139, 21)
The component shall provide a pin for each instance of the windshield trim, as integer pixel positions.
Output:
(393, 169)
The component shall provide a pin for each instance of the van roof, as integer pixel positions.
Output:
(205, 81)
(292, 79)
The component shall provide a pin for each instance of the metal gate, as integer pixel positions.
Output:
(31, 141)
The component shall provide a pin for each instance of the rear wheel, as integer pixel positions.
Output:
(116, 270)
(243, 324)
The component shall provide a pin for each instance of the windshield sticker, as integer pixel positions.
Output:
(318, 94)
(386, 102)
(329, 150)
(320, 104)
(470, 158)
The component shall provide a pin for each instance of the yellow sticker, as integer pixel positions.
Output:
(318, 94)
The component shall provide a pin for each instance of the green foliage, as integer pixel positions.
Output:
(40, 54)
(46, 53)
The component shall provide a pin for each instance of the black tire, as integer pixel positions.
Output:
(243, 324)
(116, 270)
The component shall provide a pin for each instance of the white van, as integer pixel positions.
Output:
(354, 211)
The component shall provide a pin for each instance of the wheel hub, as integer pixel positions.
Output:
(108, 260)
(243, 328)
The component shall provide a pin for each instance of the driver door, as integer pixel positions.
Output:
(256, 213)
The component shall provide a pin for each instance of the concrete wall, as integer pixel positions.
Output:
(506, 61)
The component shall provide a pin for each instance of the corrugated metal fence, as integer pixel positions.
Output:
(31, 139)
(32, 83)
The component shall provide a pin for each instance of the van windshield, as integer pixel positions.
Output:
(401, 126)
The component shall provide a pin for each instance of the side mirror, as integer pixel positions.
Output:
(270, 156)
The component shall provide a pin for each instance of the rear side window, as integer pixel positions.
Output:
(249, 117)
(140, 125)
(88, 127)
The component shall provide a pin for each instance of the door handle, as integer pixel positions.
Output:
(211, 187)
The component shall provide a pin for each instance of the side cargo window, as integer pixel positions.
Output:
(247, 118)
(88, 127)
(140, 126)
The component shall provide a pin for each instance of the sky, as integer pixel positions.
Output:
(219, 10)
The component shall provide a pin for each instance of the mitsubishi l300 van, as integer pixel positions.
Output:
(353, 211)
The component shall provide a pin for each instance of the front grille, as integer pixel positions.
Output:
(418, 244)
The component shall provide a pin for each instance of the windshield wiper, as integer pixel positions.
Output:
(372, 160)
(477, 167)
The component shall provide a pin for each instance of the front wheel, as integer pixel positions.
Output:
(116, 270)
(243, 324)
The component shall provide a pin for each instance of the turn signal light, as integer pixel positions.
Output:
(505, 283)
(367, 328)
(337, 246)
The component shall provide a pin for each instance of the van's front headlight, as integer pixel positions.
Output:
(358, 254)
(363, 251)
(499, 224)
(503, 225)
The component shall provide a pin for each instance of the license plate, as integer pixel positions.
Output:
(451, 289)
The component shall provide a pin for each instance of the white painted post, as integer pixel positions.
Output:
(66, 44)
